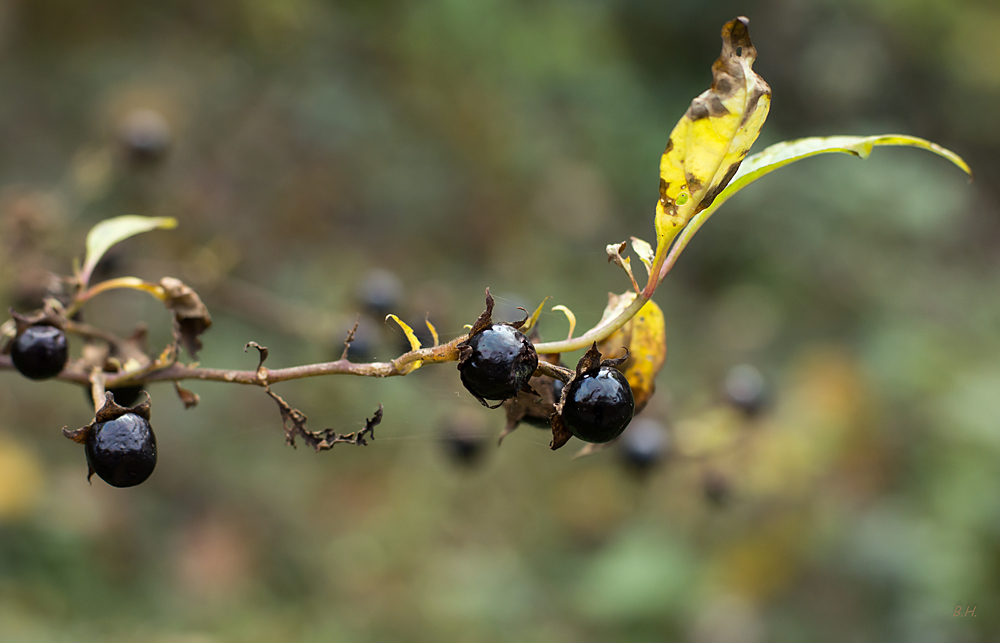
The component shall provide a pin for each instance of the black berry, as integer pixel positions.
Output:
(500, 361)
(40, 352)
(464, 448)
(643, 445)
(598, 405)
(122, 451)
(745, 389)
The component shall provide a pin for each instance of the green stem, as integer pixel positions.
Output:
(133, 283)
(597, 333)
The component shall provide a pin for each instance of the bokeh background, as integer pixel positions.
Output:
(331, 158)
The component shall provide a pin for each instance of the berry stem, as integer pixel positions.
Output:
(112, 284)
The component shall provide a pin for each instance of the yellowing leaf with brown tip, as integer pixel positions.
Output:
(714, 135)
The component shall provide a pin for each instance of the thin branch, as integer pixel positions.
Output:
(177, 371)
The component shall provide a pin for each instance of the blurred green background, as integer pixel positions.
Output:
(462, 144)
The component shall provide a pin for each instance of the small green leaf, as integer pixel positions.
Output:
(110, 231)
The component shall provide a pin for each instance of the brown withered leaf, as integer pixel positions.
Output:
(615, 251)
(536, 407)
(191, 317)
(294, 422)
(189, 398)
(486, 318)
(590, 361)
(560, 434)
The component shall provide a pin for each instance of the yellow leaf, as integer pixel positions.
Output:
(710, 141)
(645, 337)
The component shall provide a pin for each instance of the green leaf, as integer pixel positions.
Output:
(110, 231)
(781, 154)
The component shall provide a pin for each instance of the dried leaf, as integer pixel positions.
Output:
(560, 434)
(191, 317)
(536, 407)
(189, 398)
(294, 422)
(614, 251)
(644, 251)
(591, 361)
(710, 141)
(486, 318)
(110, 231)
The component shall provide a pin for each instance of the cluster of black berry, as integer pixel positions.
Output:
(119, 444)
(497, 364)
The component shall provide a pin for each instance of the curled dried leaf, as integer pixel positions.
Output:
(191, 317)
(644, 251)
(486, 318)
(615, 251)
(189, 398)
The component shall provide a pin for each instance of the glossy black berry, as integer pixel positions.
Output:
(499, 362)
(598, 405)
(643, 445)
(122, 451)
(40, 352)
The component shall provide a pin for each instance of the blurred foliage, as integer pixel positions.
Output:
(304, 144)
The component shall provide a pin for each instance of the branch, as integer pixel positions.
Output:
(177, 372)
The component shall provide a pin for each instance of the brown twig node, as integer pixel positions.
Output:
(350, 338)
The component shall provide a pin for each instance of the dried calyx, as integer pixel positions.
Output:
(120, 444)
(497, 359)
(596, 404)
